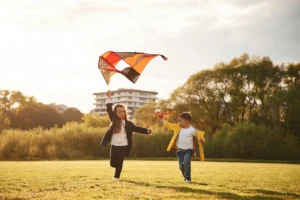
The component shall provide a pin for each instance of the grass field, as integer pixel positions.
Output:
(147, 180)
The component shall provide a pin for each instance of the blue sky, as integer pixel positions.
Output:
(50, 49)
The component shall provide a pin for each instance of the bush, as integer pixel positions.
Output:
(249, 141)
(95, 120)
(145, 146)
(75, 141)
(79, 141)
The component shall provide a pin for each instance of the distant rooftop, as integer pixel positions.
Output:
(126, 89)
(59, 107)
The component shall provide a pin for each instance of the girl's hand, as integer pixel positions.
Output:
(149, 131)
(108, 94)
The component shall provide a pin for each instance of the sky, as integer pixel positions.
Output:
(50, 49)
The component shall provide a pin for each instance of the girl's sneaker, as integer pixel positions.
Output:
(115, 179)
(188, 180)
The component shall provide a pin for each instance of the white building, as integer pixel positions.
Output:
(130, 98)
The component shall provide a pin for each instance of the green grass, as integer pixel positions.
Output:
(148, 180)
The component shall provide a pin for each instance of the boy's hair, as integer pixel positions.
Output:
(186, 116)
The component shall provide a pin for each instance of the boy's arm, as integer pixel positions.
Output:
(200, 136)
(201, 139)
(169, 125)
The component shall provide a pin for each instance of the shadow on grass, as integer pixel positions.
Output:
(11, 198)
(201, 191)
(203, 184)
(269, 192)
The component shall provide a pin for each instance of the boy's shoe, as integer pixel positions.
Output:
(115, 179)
(188, 180)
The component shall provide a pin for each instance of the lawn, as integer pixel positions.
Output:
(148, 180)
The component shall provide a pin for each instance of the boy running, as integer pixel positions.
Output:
(183, 140)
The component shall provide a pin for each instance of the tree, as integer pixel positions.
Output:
(11, 99)
(290, 100)
(23, 112)
(72, 115)
(245, 89)
(34, 114)
(4, 121)
(200, 96)
(96, 121)
(144, 115)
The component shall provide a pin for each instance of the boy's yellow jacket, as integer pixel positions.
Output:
(176, 128)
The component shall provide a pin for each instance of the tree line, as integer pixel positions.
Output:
(243, 90)
(18, 111)
(249, 109)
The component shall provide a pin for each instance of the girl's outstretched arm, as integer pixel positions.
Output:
(141, 130)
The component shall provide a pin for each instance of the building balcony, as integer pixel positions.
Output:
(125, 101)
(127, 95)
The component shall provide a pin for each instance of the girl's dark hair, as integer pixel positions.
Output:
(116, 123)
(186, 116)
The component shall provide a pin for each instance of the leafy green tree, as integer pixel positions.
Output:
(96, 121)
(4, 121)
(72, 115)
(144, 115)
(35, 114)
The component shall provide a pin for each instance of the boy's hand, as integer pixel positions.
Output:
(203, 140)
(149, 131)
(108, 94)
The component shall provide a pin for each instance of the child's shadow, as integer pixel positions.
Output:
(195, 183)
(225, 195)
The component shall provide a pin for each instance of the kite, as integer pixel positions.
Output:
(136, 61)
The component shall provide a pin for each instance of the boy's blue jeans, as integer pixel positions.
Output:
(184, 157)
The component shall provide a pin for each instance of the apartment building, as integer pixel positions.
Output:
(130, 98)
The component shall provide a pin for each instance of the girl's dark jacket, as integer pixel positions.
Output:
(129, 127)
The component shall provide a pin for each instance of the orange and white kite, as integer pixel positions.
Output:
(136, 61)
